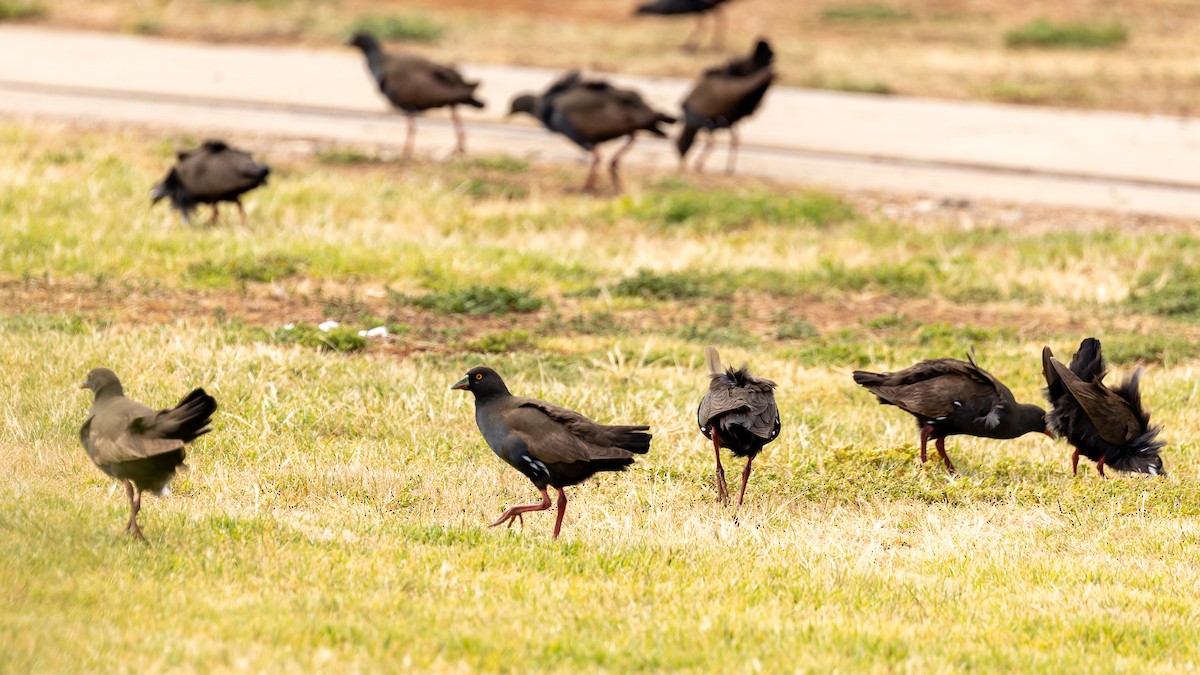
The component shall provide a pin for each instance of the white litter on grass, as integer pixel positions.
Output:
(378, 331)
(328, 326)
(289, 326)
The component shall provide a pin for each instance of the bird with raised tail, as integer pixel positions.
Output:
(738, 413)
(721, 98)
(138, 445)
(1108, 426)
(552, 446)
(950, 397)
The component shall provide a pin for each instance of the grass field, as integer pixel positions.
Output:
(336, 519)
(1137, 55)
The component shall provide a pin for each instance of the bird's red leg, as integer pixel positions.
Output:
(1075, 462)
(214, 216)
(703, 156)
(733, 148)
(925, 431)
(461, 136)
(516, 511)
(410, 135)
(1100, 467)
(722, 491)
(241, 211)
(745, 478)
(129, 495)
(616, 158)
(589, 184)
(136, 505)
(562, 510)
(941, 448)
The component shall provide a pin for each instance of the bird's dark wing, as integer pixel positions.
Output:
(931, 388)
(718, 95)
(413, 83)
(212, 174)
(122, 431)
(557, 435)
(1115, 420)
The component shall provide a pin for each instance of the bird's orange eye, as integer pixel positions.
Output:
(479, 376)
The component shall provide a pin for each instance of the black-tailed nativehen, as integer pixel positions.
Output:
(1108, 426)
(137, 445)
(721, 98)
(737, 413)
(212, 173)
(414, 84)
(552, 446)
(700, 8)
(591, 112)
(950, 397)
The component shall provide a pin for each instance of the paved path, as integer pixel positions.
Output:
(1105, 160)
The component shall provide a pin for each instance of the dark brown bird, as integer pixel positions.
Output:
(414, 84)
(591, 112)
(950, 397)
(1108, 426)
(700, 8)
(137, 445)
(738, 413)
(552, 446)
(721, 98)
(212, 173)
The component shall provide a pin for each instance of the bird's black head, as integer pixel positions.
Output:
(1029, 417)
(364, 41)
(171, 186)
(482, 381)
(525, 103)
(102, 382)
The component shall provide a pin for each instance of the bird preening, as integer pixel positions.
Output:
(552, 446)
(950, 397)
(738, 413)
(590, 112)
(414, 84)
(1108, 426)
(212, 173)
(136, 444)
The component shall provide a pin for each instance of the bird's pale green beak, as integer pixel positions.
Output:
(84, 385)
(461, 384)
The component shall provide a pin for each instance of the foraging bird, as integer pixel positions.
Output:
(414, 84)
(552, 446)
(698, 7)
(949, 397)
(212, 173)
(738, 413)
(137, 445)
(591, 112)
(1108, 426)
(721, 98)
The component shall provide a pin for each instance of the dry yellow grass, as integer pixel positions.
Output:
(336, 519)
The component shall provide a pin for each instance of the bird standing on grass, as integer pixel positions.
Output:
(212, 173)
(950, 397)
(552, 446)
(591, 112)
(723, 96)
(414, 84)
(700, 8)
(738, 413)
(1108, 426)
(137, 445)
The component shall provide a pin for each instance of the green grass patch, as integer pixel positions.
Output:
(867, 13)
(500, 342)
(266, 268)
(663, 286)
(721, 210)
(1173, 292)
(406, 28)
(347, 155)
(12, 10)
(339, 339)
(1045, 34)
(490, 300)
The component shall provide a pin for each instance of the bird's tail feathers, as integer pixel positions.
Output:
(687, 137)
(631, 438)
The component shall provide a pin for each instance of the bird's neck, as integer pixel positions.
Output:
(109, 391)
